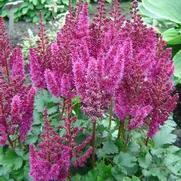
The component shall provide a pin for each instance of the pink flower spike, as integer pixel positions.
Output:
(3, 135)
(36, 70)
(16, 109)
(139, 117)
(52, 83)
(16, 60)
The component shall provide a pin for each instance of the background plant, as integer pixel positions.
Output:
(29, 10)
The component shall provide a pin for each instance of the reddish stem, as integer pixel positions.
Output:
(93, 142)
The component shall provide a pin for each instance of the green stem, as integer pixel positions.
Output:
(110, 116)
(10, 142)
(69, 177)
(121, 131)
(146, 140)
(63, 109)
(93, 142)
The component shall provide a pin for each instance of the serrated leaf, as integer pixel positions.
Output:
(145, 160)
(109, 147)
(125, 160)
(165, 135)
(12, 160)
(101, 172)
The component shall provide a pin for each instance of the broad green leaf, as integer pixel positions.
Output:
(172, 36)
(165, 9)
(143, 11)
(134, 178)
(177, 62)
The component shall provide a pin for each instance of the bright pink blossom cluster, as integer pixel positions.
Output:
(109, 61)
(52, 159)
(16, 98)
(125, 62)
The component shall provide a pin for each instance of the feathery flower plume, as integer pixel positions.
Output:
(16, 98)
(51, 160)
(146, 89)
(39, 58)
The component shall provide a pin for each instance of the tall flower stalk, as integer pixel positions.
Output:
(16, 97)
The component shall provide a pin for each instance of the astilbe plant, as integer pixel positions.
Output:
(50, 63)
(146, 93)
(111, 63)
(130, 66)
(51, 161)
(55, 155)
(39, 58)
(16, 97)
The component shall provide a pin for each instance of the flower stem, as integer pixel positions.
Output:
(110, 116)
(63, 109)
(146, 141)
(121, 132)
(69, 177)
(93, 142)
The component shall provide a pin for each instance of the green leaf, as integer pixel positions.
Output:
(43, 1)
(177, 62)
(12, 160)
(134, 178)
(145, 161)
(35, 2)
(25, 10)
(65, 2)
(167, 9)
(172, 36)
(165, 135)
(125, 160)
(101, 172)
(109, 147)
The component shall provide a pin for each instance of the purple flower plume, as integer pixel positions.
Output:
(51, 160)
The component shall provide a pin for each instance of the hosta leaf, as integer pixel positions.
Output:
(172, 36)
(167, 9)
(177, 62)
